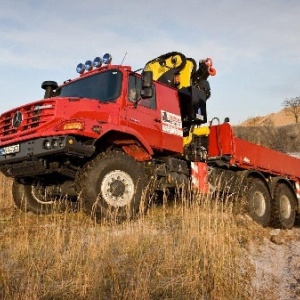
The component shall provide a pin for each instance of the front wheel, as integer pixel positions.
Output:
(35, 197)
(258, 201)
(112, 186)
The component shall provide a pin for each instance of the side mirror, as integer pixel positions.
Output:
(147, 92)
(147, 81)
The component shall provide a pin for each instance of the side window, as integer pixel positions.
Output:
(134, 93)
(134, 88)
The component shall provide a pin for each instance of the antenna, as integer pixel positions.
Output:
(123, 58)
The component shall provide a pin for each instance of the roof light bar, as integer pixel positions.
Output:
(97, 63)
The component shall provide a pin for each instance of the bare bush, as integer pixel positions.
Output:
(292, 107)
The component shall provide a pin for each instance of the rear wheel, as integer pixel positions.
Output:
(283, 207)
(35, 197)
(112, 186)
(258, 201)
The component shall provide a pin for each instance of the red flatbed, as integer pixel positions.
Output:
(246, 155)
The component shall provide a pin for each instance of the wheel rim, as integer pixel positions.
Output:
(285, 207)
(40, 195)
(259, 204)
(117, 188)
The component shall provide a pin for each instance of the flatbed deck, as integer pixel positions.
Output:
(239, 153)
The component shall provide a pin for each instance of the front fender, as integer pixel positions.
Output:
(120, 131)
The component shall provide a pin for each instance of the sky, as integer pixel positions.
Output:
(255, 46)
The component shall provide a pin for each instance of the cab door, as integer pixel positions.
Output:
(142, 114)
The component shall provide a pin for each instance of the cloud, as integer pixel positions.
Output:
(254, 44)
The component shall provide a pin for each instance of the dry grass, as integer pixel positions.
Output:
(180, 251)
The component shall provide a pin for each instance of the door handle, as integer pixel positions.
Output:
(134, 120)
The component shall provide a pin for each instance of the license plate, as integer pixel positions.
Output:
(10, 149)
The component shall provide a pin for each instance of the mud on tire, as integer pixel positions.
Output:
(112, 186)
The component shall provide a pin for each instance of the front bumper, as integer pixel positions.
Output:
(28, 158)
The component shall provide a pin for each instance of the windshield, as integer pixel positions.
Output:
(104, 87)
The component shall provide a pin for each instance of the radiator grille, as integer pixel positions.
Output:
(26, 119)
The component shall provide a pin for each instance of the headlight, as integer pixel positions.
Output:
(47, 144)
(54, 143)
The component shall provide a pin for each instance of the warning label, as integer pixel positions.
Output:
(171, 123)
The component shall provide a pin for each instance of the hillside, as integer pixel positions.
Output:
(278, 131)
(282, 118)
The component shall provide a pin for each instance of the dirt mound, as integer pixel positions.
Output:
(278, 131)
(281, 118)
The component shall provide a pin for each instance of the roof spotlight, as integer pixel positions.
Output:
(97, 62)
(107, 58)
(88, 65)
(80, 68)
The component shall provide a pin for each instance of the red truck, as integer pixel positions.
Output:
(113, 135)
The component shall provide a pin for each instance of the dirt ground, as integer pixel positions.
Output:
(277, 263)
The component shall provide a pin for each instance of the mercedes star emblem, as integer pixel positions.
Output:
(17, 119)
